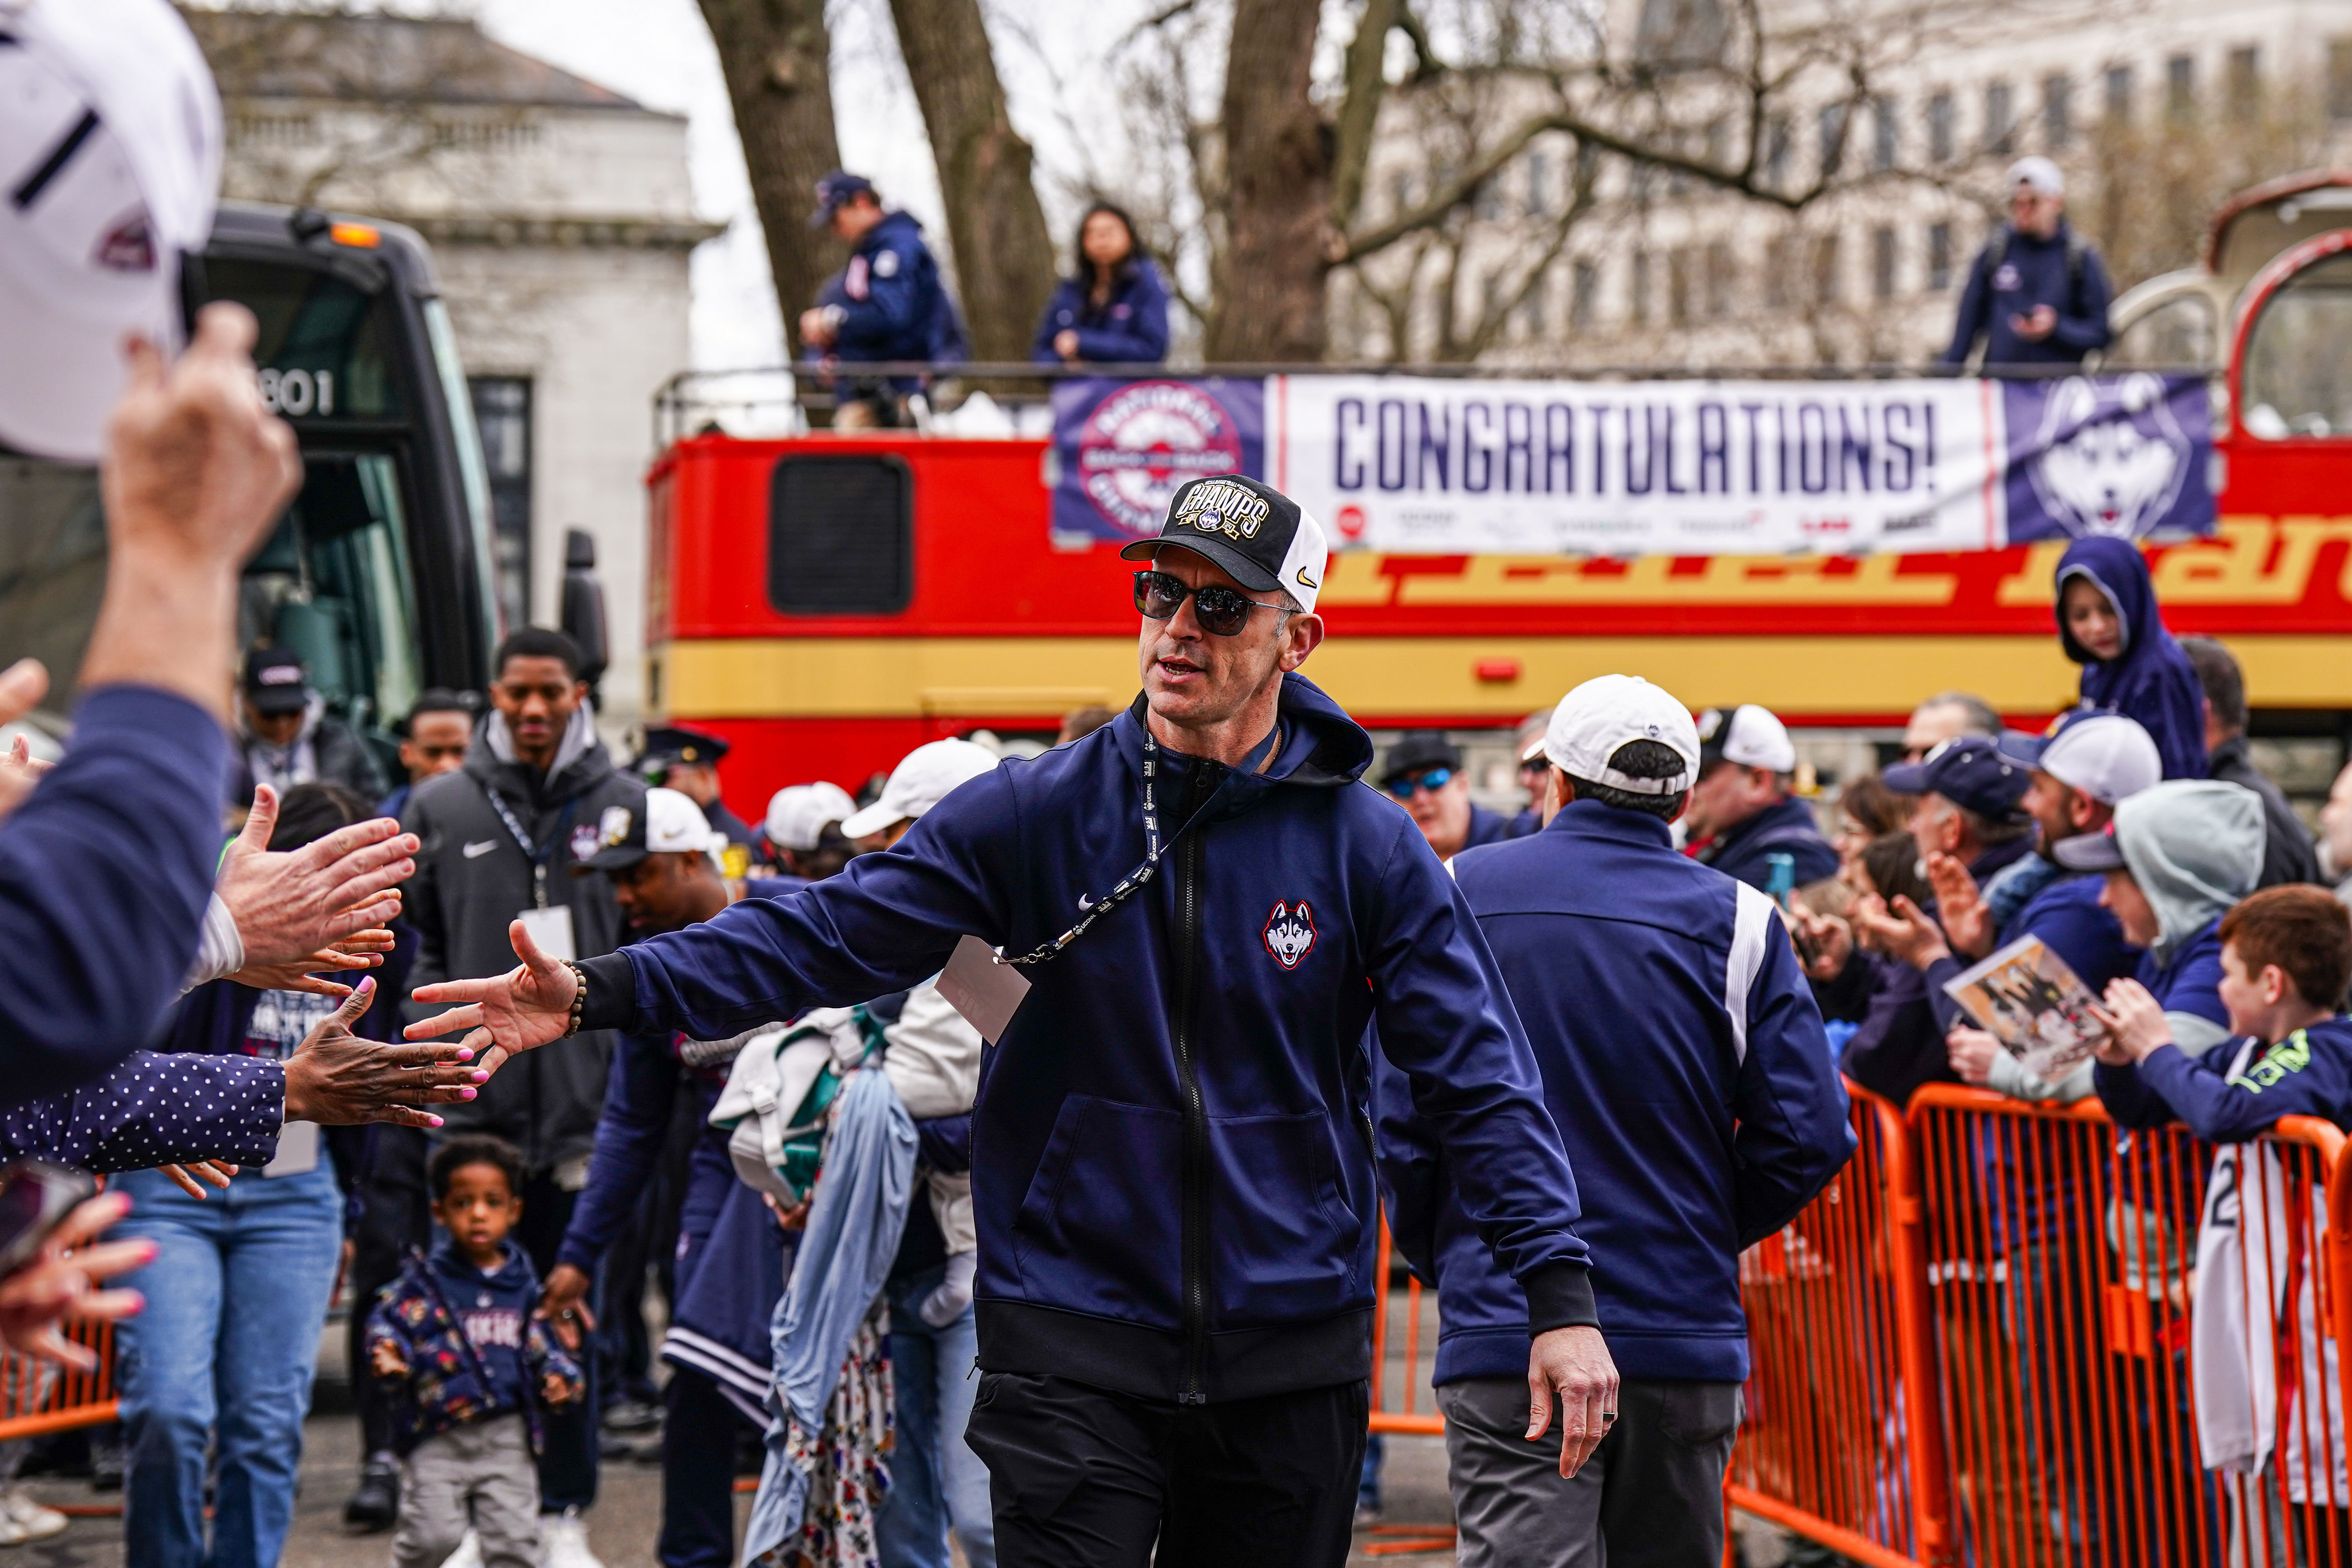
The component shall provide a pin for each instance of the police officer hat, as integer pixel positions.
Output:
(669, 744)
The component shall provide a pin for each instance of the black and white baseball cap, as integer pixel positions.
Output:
(1604, 713)
(1257, 534)
(109, 170)
(1750, 736)
(667, 823)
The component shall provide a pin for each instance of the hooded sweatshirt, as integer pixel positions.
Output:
(473, 877)
(1172, 1149)
(2195, 847)
(2152, 679)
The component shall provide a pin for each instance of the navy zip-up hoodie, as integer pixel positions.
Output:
(1172, 1152)
(1696, 1129)
(1787, 828)
(2152, 680)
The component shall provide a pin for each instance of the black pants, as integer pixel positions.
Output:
(699, 1438)
(396, 1213)
(568, 1452)
(1082, 1477)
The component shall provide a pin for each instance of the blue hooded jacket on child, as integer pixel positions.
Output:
(2153, 681)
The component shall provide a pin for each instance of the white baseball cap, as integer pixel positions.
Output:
(668, 823)
(2105, 755)
(1750, 736)
(920, 781)
(1607, 711)
(797, 814)
(110, 168)
(2039, 173)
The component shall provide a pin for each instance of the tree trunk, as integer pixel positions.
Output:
(1004, 261)
(777, 57)
(1278, 177)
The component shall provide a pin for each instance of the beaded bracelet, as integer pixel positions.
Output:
(579, 996)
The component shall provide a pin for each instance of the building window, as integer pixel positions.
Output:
(1942, 140)
(1638, 308)
(1538, 183)
(2340, 78)
(1779, 260)
(503, 410)
(1400, 194)
(1678, 287)
(1718, 141)
(1886, 139)
(2245, 82)
(2119, 94)
(1831, 129)
(2001, 119)
(1583, 287)
(1721, 278)
(2057, 113)
(1776, 152)
(1881, 263)
(1825, 270)
(2180, 86)
(1939, 257)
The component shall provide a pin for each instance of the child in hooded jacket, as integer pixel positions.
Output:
(2109, 623)
(469, 1368)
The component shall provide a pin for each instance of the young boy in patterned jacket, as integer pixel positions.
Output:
(469, 1368)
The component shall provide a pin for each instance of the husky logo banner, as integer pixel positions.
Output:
(1290, 933)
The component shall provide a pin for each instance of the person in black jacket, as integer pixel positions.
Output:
(537, 795)
(286, 737)
(1113, 308)
(2288, 853)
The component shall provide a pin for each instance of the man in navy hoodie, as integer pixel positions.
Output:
(1740, 803)
(1172, 1161)
(888, 304)
(2037, 293)
(1686, 1065)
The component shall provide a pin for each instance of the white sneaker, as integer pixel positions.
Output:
(468, 1554)
(23, 1519)
(563, 1539)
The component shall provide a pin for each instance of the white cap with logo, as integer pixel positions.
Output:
(111, 139)
(1604, 713)
(1750, 736)
(675, 825)
(920, 781)
(2038, 174)
(2106, 756)
(797, 814)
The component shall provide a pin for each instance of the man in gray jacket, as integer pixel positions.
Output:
(537, 793)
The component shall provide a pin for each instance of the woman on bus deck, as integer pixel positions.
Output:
(1113, 309)
(2109, 623)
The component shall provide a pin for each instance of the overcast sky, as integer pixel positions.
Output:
(660, 53)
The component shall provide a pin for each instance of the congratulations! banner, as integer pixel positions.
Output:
(1423, 466)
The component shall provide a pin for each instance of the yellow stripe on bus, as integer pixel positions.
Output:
(836, 678)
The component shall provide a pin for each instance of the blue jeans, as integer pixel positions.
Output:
(236, 1301)
(935, 1478)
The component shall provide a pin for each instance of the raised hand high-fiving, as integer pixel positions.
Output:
(508, 1014)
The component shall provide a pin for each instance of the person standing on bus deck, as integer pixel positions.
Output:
(1173, 1170)
(888, 304)
(537, 795)
(1738, 1120)
(2038, 292)
(1742, 812)
(1112, 309)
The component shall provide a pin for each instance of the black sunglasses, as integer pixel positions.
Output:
(1220, 610)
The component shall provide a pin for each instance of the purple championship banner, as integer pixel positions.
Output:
(1123, 446)
(1427, 466)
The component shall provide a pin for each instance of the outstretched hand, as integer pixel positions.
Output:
(1965, 917)
(296, 906)
(508, 1014)
(336, 1078)
(1903, 931)
(62, 1282)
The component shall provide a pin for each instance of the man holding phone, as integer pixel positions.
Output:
(1201, 913)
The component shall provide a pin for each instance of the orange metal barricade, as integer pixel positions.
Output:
(32, 1402)
(1397, 1398)
(1841, 1438)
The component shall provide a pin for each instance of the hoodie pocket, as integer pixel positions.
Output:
(1282, 1240)
(1100, 1227)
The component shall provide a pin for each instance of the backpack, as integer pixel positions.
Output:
(781, 1084)
(1990, 258)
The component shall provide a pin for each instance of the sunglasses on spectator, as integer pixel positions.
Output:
(1220, 610)
(1433, 780)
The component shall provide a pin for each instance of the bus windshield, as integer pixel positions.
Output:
(335, 582)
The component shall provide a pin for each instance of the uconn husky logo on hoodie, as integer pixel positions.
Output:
(1290, 933)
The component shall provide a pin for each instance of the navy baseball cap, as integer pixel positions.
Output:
(1969, 771)
(832, 193)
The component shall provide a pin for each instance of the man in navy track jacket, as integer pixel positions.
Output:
(1173, 1160)
(1686, 1065)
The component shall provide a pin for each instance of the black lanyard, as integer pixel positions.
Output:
(538, 854)
(1132, 883)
